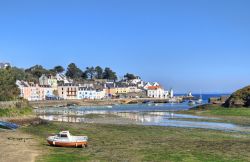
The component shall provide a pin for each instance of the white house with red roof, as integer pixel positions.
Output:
(149, 84)
(155, 92)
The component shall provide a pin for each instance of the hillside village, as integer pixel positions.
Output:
(56, 85)
(60, 87)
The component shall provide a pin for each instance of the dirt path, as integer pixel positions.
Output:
(16, 146)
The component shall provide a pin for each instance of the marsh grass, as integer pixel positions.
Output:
(144, 143)
(16, 112)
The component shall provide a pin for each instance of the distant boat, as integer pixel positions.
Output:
(199, 101)
(172, 100)
(150, 103)
(146, 101)
(191, 102)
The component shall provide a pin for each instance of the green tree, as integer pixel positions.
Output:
(90, 72)
(8, 88)
(37, 71)
(99, 72)
(52, 72)
(20, 74)
(59, 69)
(129, 76)
(74, 72)
(109, 74)
(84, 75)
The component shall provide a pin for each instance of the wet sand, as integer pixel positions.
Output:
(16, 146)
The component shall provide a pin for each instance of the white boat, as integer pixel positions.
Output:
(199, 101)
(65, 139)
(191, 102)
(172, 100)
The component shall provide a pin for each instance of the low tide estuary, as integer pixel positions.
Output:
(141, 114)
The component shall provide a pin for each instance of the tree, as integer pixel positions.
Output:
(109, 74)
(8, 88)
(74, 72)
(52, 72)
(99, 72)
(130, 76)
(84, 75)
(90, 71)
(37, 71)
(59, 69)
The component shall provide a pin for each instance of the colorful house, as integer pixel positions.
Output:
(90, 93)
(45, 91)
(52, 81)
(68, 91)
(29, 91)
(155, 92)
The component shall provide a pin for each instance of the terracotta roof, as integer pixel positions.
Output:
(153, 87)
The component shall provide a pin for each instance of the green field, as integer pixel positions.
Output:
(239, 116)
(219, 110)
(143, 143)
(16, 112)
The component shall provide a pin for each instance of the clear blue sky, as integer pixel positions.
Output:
(198, 45)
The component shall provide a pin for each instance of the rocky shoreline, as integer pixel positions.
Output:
(63, 103)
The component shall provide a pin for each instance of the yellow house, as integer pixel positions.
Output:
(122, 90)
(117, 90)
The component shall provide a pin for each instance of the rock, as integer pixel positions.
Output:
(240, 98)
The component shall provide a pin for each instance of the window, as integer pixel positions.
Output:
(64, 135)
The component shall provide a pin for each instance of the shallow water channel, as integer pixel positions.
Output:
(141, 114)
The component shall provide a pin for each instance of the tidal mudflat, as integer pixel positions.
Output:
(153, 115)
(138, 133)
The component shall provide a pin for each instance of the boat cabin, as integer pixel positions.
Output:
(64, 134)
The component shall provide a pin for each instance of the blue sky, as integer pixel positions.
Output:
(197, 45)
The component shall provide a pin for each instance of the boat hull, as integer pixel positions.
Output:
(68, 144)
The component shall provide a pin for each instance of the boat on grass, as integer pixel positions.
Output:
(65, 139)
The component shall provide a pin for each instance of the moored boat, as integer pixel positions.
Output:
(191, 103)
(65, 139)
(199, 101)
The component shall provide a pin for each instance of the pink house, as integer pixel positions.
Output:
(33, 92)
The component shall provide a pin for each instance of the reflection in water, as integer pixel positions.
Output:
(142, 115)
(61, 118)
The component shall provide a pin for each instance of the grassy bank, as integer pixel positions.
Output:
(230, 115)
(16, 112)
(219, 110)
(144, 143)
